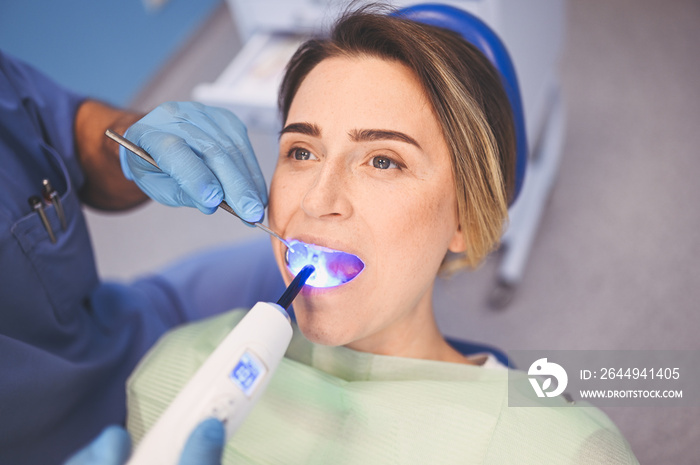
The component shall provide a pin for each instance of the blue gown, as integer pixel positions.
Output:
(68, 341)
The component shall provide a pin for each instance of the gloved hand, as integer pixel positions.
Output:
(205, 444)
(112, 446)
(205, 157)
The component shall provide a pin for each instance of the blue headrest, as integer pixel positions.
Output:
(477, 33)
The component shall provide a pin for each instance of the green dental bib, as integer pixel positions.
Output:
(335, 405)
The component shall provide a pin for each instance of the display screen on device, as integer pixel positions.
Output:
(248, 372)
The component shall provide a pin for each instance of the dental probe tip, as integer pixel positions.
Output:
(274, 234)
(227, 207)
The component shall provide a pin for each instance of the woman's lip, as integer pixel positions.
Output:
(324, 242)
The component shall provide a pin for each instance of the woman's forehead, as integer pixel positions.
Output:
(358, 93)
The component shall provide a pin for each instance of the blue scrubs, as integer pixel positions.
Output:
(67, 341)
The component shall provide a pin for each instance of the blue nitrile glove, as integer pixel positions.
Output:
(112, 447)
(205, 444)
(205, 157)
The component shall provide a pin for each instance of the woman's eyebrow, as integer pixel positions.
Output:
(302, 128)
(368, 135)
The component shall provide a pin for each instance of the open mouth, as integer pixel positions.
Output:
(333, 267)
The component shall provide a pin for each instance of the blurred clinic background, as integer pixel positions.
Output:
(608, 256)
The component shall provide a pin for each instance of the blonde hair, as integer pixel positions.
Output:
(467, 98)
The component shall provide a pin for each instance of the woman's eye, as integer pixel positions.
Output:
(383, 163)
(301, 154)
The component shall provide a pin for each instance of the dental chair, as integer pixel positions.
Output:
(532, 31)
(273, 32)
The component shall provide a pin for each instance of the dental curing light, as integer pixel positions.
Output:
(333, 267)
(229, 382)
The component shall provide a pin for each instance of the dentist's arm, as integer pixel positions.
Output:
(105, 186)
(113, 445)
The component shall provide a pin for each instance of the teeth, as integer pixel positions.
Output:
(333, 267)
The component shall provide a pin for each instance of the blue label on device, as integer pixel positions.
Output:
(248, 372)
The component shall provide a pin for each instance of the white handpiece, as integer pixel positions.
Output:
(226, 386)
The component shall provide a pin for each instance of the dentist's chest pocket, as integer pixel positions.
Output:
(44, 275)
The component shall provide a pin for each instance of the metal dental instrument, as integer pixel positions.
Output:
(127, 144)
(50, 195)
(35, 203)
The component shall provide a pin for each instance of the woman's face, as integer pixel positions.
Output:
(363, 168)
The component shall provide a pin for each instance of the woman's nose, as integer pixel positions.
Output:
(328, 195)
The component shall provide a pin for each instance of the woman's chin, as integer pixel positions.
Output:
(324, 333)
(322, 339)
(333, 317)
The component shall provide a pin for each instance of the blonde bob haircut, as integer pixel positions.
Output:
(466, 95)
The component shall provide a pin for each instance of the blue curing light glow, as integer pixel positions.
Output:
(333, 267)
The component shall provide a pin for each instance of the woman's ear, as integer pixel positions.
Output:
(458, 243)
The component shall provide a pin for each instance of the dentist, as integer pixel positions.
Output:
(68, 341)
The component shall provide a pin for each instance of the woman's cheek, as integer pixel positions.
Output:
(283, 200)
(428, 228)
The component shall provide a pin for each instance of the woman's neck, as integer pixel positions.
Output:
(414, 336)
